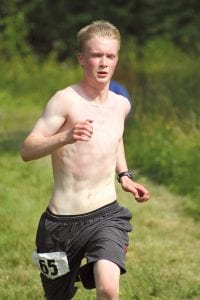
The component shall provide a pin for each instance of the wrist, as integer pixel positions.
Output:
(126, 173)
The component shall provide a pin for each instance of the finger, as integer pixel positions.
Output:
(84, 123)
(144, 198)
(140, 200)
(136, 194)
(84, 132)
(82, 137)
(83, 128)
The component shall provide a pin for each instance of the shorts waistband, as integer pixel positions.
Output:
(106, 210)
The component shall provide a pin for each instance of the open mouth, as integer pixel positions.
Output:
(102, 73)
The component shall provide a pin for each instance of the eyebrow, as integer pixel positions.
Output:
(98, 53)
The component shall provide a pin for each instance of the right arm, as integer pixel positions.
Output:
(36, 146)
(45, 138)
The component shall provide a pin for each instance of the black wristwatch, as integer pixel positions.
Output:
(125, 173)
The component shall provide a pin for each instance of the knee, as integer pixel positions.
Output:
(107, 292)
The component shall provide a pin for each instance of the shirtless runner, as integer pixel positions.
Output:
(82, 129)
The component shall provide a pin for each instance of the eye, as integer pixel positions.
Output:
(111, 56)
(96, 55)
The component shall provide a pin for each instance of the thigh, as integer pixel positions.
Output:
(106, 274)
(109, 241)
(57, 238)
(60, 288)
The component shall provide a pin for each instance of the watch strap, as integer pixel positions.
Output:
(127, 173)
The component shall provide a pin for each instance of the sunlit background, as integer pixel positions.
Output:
(159, 65)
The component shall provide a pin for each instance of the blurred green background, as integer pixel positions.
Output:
(159, 64)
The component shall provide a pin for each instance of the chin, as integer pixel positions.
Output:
(103, 80)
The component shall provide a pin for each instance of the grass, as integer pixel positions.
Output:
(163, 257)
(165, 250)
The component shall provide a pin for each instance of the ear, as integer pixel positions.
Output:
(80, 58)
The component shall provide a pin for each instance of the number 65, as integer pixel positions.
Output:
(48, 266)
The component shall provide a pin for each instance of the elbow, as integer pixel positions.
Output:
(24, 156)
(27, 150)
(25, 153)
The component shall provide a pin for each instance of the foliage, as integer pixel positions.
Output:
(163, 135)
(161, 263)
(13, 32)
(52, 25)
(167, 156)
(163, 140)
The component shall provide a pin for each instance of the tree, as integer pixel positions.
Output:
(52, 25)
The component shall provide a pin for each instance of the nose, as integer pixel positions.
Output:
(103, 61)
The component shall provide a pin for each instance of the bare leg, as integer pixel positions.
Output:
(106, 275)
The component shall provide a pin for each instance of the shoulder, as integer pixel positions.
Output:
(64, 94)
(120, 100)
(60, 99)
(58, 104)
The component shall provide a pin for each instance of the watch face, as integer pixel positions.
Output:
(126, 173)
(130, 174)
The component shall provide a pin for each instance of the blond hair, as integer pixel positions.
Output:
(97, 28)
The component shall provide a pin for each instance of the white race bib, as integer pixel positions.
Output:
(52, 265)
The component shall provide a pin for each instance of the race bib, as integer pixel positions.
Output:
(52, 265)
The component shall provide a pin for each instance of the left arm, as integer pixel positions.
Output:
(128, 185)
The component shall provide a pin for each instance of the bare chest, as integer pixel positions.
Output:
(99, 153)
(108, 125)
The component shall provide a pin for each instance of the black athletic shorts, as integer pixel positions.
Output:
(62, 241)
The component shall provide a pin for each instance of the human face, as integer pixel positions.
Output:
(99, 59)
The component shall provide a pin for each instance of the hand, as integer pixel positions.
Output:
(82, 131)
(139, 192)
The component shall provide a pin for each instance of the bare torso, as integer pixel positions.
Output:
(84, 171)
(82, 129)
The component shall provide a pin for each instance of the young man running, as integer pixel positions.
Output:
(82, 129)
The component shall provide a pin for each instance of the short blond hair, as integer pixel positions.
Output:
(97, 28)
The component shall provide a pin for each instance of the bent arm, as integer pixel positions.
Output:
(47, 135)
(36, 146)
(45, 138)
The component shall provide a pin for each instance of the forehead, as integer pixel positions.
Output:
(102, 44)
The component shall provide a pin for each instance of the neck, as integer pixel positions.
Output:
(97, 93)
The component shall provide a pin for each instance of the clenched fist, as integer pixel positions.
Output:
(82, 131)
